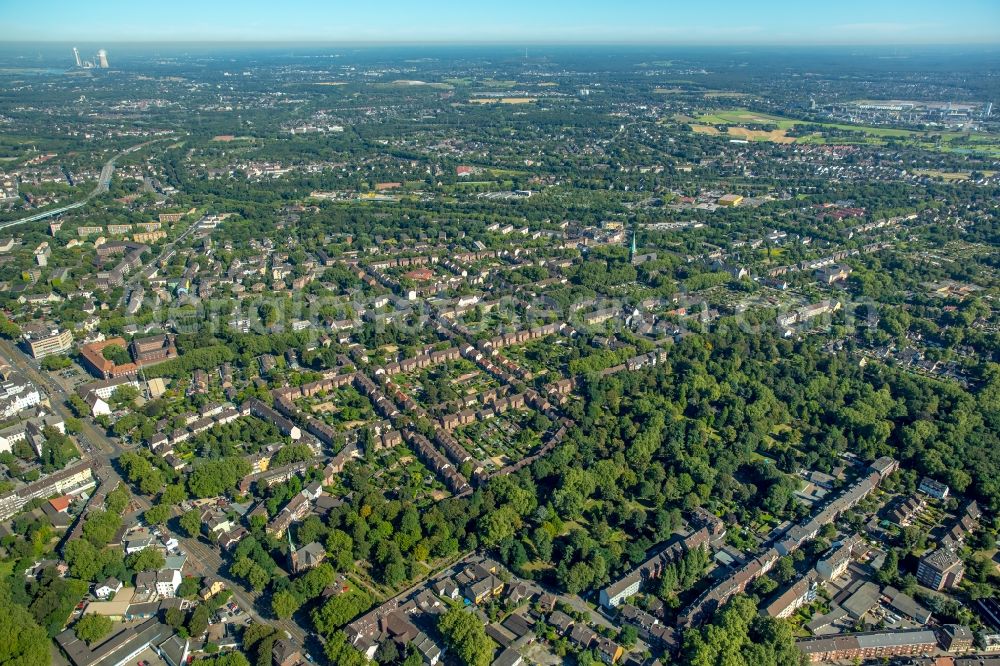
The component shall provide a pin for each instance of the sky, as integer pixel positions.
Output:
(799, 22)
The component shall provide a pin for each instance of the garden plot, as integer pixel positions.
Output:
(343, 408)
(504, 439)
(444, 382)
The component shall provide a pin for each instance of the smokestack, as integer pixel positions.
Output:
(76, 55)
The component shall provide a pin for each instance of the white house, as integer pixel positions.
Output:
(167, 582)
(138, 542)
(313, 491)
(108, 588)
(98, 406)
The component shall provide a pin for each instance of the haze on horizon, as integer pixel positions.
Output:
(851, 22)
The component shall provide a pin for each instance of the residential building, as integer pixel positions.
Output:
(836, 560)
(935, 489)
(868, 645)
(835, 273)
(625, 587)
(285, 653)
(798, 594)
(70, 480)
(956, 638)
(941, 570)
(108, 588)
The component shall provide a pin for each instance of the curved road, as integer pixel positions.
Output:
(102, 186)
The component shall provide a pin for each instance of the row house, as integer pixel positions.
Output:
(207, 418)
(266, 413)
(385, 407)
(550, 443)
(966, 522)
(452, 448)
(712, 599)
(868, 645)
(433, 458)
(907, 510)
(275, 475)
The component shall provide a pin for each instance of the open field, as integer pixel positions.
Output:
(774, 136)
(950, 176)
(943, 140)
(502, 100)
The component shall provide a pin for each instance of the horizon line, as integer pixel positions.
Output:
(497, 42)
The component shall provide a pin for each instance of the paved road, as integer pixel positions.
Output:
(203, 558)
(207, 561)
(151, 266)
(102, 186)
(58, 395)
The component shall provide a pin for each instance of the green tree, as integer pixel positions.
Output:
(147, 559)
(228, 659)
(117, 500)
(92, 628)
(466, 637)
(56, 362)
(190, 522)
(173, 494)
(158, 514)
(100, 527)
(198, 622)
(189, 587)
(284, 604)
(175, 617)
(341, 609)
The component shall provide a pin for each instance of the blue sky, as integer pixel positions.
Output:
(514, 21)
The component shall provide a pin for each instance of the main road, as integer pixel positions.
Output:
(103, 184)
(205, 559)
(208, 562)
(58, 396)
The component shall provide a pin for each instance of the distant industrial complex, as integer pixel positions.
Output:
(100, 60)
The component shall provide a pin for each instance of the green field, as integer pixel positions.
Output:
(946, 140)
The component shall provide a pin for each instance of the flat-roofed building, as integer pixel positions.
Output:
(121, 648)
(56, 342)
(70, 480)
(941, 570)
(935, 489)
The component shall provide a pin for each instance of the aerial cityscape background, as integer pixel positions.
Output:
(471, 334)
